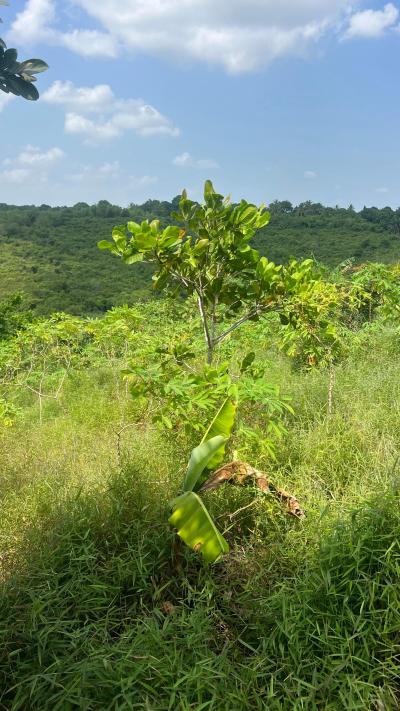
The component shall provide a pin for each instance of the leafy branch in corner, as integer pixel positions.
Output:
(18, 77)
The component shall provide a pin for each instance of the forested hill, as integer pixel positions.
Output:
(51, 254)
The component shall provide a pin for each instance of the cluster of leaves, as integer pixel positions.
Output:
(314, 335)
(39, 357)
(18, 77)
(179, 392)
(8, 413)
(340, 302)
(379, 290)
(42, 355)
(210, 258)
(178, 395)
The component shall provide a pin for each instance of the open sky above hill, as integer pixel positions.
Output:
(293, 99)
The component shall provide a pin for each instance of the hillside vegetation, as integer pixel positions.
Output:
(51, 253)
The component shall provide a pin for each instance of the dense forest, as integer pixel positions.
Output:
(50, 253)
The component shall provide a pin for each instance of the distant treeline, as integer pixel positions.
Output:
(51, 254)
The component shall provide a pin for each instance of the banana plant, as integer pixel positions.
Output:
(189, 514)
(205, 473)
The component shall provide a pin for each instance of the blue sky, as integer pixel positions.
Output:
(286, 99)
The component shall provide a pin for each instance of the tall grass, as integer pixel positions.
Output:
(100, 609)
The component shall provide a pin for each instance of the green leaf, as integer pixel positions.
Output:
(247, 361)
(33, 66)
(104, 244)
(166, 422)
(108, 246)
(208, 189)
(133, 258)
(221, 426)
(199, 459)
(172, 231)
(201, 246)
(133, 227)
(10, 58)
(196, 527)
(145, 242)
(264, 219)
(23, 88)
(119, 236)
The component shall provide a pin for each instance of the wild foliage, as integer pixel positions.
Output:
(101, 602)
(95, 606)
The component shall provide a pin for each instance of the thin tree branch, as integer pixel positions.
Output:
(255, 312)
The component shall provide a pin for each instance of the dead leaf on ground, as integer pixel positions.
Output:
(167, 607)
(241, 473)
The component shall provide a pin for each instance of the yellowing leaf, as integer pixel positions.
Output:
(196, 527)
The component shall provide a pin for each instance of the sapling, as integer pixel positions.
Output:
(210, 258)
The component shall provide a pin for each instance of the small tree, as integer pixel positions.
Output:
(18, 77)
(316, 336)
(210, 257)
(379, 287)
(40, 357)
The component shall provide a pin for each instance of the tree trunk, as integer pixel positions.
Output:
(210, 343)
(210, 353)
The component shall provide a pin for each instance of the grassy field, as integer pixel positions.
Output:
(101, 609)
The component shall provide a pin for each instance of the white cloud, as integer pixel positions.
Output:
(31, 25)
(116, 116)
(110, 170)
(310, 174)
(5, 99)
(240, 35)
(185, 160)
(15, 175)
(372, 23)
(88, 43)
(80, 125)
(85, 99)
(92, 176)
(382, 190)
(32, 156)
(30, 164)
(35, 24)
(142, 181)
